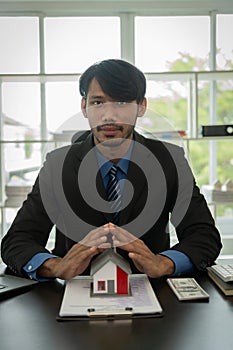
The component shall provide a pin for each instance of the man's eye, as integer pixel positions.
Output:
(97, 103)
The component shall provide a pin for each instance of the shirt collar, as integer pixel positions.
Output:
(105, 164)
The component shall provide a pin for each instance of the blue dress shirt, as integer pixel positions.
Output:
(181, 261)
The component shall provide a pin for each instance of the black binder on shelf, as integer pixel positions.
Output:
(217, 130)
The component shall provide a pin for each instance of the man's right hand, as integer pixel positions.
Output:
(78, 257)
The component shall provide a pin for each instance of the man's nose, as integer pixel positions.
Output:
(110, 111)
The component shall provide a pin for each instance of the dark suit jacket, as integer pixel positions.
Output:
(163, 188)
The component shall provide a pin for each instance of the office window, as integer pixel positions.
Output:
(223, 95)
(63, 107)
(224, 43)
(73, 44)
(19, 45)
(168, 101)
(19, 112)
(21, 126)
(23, 112)
(38, 114)
(178, 43)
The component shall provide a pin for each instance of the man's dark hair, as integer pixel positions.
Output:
(118, 79)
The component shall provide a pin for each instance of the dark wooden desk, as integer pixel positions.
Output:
(28, 321)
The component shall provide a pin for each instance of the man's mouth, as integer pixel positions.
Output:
(109, 128)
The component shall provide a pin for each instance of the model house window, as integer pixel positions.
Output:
(102, 287)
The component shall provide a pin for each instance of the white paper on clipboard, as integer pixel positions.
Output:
(77, 299)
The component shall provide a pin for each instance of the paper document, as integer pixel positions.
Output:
(77, 299)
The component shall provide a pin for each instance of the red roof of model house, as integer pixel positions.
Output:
(110, 273)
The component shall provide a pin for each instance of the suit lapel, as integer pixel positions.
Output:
(86, 149)
(136, 176)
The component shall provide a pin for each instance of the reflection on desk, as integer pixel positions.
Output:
(29, 320)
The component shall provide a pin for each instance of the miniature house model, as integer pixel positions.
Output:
(110, 272)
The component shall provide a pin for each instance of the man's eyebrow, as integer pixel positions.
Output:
(93, 97)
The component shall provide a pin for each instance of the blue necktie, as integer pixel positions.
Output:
(113, 193)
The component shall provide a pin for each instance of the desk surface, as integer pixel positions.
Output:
(28, 321)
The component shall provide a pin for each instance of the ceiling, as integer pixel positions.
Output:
(117, 6)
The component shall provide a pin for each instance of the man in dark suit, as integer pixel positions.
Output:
(153, 184)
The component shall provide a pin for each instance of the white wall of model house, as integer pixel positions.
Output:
(105, 273)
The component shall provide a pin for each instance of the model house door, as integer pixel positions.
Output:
(111, 286)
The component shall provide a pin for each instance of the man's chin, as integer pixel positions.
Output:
(112, 141)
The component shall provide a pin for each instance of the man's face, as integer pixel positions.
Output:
(111, 121)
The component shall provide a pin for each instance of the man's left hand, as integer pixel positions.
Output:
(153, 265)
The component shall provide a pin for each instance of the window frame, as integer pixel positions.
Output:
(127, 26)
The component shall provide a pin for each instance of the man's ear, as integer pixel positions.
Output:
(142, 107)
(84, 107)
